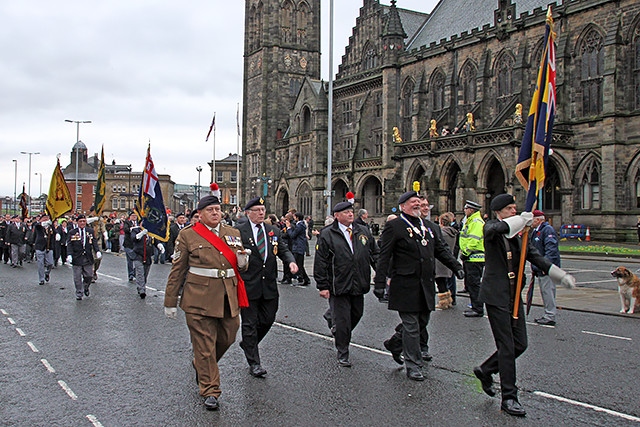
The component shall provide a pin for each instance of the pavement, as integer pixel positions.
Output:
(582, 299)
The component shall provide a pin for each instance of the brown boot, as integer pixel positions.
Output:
(444, 300)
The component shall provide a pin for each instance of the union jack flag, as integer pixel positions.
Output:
(150, 205)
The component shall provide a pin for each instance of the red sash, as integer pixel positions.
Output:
(219, 244)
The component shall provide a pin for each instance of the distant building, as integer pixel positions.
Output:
(226, 176)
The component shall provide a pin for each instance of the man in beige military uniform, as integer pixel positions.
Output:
(207, 259)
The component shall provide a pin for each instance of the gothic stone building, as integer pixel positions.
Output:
(402, 69)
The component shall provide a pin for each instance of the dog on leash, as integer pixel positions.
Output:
(629, 289)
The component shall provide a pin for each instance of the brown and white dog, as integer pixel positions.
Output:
(629, 289)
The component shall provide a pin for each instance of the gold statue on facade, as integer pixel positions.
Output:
(470, 124)
(396, 134)
(433, 129)
(517, 116)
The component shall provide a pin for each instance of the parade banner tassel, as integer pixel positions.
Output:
(59, 199)
(150, 205)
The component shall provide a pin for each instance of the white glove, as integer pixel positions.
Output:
(518, 222)
(160, 247)
(559, 275)
(69, 259)
(105, 235)
(98, 255)
(92, 219)
(243, 259)
(46, 223)
(141, 234)
(57, 237)
(171, 312)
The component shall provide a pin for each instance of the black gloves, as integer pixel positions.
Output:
(460, 274)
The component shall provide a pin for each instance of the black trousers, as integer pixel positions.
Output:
(511, 341)
(302, 273)
(473, 278)
(346, 312)
(256, 322)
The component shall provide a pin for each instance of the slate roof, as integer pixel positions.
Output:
(452, 17)
(411, 20)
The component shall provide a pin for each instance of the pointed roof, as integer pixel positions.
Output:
(393, 26)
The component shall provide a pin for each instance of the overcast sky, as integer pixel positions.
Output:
(140, 70)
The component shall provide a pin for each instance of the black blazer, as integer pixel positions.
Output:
(411, 265)
(82, 254)
(260, 279)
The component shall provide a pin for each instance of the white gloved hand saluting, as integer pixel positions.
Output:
(98, 255)
(171, 312)
(559, 275)
(141, 234)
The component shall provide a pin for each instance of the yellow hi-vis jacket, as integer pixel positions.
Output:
(472, 239)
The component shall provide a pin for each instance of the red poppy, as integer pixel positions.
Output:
(271, 233)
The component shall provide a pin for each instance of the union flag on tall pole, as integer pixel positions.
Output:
(101, 186)
(150, 205)
(212, 127)
(23, 203)
(59, 199)
(536, 141)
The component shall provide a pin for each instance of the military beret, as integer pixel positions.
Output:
(538, 212)
(206, 201)
(256, 201)
(342, 206)
(406, 196)
(81, 216)
(131, 213)
(180, 214)
(502, 201)
(472, 205)
(14, 216)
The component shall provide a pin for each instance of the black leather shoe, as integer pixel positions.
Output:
(257, 371)
(513, 407)
(143, 295)
(211, 403)
(472, 313)
(79, 298)
(397, 357)
(46, 276)
(344, 362)
(415, 375)
(545, 322)
(86, 290)
(41, 283)
(426, 356)
(285, 282)
(486, 380)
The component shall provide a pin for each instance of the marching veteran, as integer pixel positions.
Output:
(498, 291)
(345, 254)
(265, 243)
(207, 261)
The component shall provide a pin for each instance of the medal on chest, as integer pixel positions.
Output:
(419, 232)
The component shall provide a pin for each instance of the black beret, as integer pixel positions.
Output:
(472, 205)
(342, 206)
(502, 201)
(206, 201)
(256, 201)
(81, 216)
(406, 196)
(131, 213)
(180, 214)
(14, 216)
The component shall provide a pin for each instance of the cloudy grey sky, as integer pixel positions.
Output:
(139, 70)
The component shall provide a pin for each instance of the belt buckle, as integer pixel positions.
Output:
(222, 273)
(512, 275)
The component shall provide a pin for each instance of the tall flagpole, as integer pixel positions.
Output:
(330, 115)
(238, 157)
(213, 159)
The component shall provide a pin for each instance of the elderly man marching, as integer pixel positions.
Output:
(498, 292)
(345, 254)
(207, 261)
(471, 243)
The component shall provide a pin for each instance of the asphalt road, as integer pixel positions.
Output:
(115, 360)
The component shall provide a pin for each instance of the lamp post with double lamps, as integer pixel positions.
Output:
(77, 122)
(40, 192)
(15, 183)
(29, 190)
(199, 169)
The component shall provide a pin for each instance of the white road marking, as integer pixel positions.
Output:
(542, 326)
(586, 405)
(3, 311)
(13, 322)
(110, 277)
(19, 331)
(94, 420)
(33, 347)
(66, 388)
(606, 335)
(152, 289)
(47, 365)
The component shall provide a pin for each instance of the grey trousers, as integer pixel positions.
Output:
(412, 324)
(45, 263)
(141, 271)
(82, 275)
(17, 253)
(548, 293)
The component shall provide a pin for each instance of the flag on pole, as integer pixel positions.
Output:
(238, 118)
(536, 141)
(59, 199)
(212, 127)
(23, 203)
(101, 186)
(150, 205)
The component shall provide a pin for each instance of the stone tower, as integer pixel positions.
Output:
(282, 47)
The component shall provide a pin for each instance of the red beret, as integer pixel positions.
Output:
(538, 213)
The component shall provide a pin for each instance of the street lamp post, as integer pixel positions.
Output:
(29, 190)
(15, 184)
(199, 169)
(40, 192)
(77, 122)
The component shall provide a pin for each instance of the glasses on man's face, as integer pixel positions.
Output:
(257, 209)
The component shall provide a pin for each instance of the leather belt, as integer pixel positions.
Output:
(212, 272)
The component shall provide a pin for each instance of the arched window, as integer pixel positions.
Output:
(306, 120)
(591, 72)
(637, 189)
(437, 91)
(305, 199)
(372, 196)
(302, 22)
(468, 83)
(370, 57)
(407, 109)
(286, 22)
(552, 198)
(504, 80)
(591, 186)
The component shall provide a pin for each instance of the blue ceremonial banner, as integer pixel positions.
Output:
(150, 206)
(536, 141)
